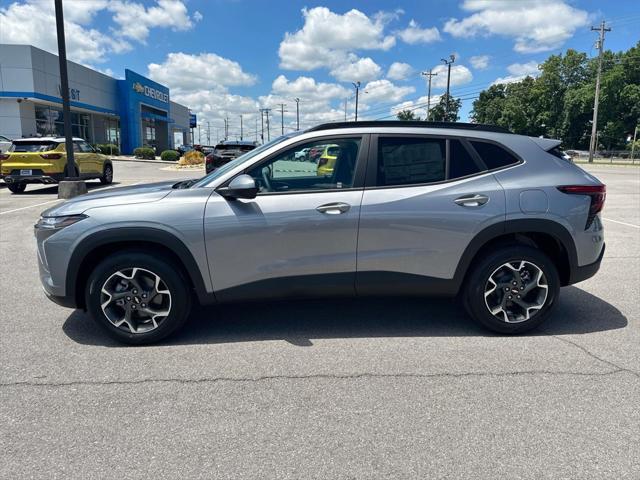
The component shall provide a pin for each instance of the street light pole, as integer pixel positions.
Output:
(72, 185)
(241, 128)
(357, 85)
(297, 113)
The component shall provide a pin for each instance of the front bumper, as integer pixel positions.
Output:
(579, 274)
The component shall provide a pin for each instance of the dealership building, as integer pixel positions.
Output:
(130, 112)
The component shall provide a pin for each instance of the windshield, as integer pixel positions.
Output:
(241, 159)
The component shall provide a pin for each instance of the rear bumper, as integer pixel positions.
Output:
(579, 274)
(37, 178)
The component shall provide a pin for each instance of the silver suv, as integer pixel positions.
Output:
(386, 208)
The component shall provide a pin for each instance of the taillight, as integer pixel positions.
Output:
(51, 156)
(208, 159)
(4, 156)
(597, 193)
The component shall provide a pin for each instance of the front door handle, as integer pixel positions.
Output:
(334, 208)
(472, 200)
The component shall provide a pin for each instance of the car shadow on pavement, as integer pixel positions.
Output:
(300, 321)
(51, 189)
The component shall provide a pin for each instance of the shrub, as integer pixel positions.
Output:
(144, 152)
(192, 157)
(108, 149)
(169, 155)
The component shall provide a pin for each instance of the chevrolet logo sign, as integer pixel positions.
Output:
(138, 87)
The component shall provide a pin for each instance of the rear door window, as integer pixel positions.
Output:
(461, 163)
(493, 156)
(407, 161)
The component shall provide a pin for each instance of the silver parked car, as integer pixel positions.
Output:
(394, 208)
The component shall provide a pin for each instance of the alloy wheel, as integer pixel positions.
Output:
(516, 291)
(135, 300)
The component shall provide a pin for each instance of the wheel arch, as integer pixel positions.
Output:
(100, 244)
(550, 237)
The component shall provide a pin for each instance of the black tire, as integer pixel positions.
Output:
(17, 187)
(478, 280)
(172, 277)
(107, 174)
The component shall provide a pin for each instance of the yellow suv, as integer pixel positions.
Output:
(44, 160)
(327, 160)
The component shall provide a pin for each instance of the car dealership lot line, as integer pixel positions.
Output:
(368, 388)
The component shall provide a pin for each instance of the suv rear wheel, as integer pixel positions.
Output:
(107, 175)
(17, 187)
(138, 298)
(512, 290)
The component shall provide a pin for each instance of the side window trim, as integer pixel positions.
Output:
(358, 174)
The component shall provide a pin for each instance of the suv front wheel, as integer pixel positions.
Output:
(138, 298)
(512, 290)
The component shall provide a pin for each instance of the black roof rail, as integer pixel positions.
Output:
(412, 123)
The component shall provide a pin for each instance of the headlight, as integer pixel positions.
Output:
(57, 223)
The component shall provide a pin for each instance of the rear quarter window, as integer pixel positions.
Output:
(493, 155)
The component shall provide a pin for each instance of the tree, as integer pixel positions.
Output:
(439, 112)
(407, 115)
(559, 102)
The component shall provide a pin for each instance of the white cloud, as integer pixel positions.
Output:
(202, 71)
(536, 25)
(307, 89)
(459, 76)
(381, 91)
(33, 23)
(415, 34)
(135, 20)
(399, 71)
(519, 71)
(363, 69)
(329, 40)
(479, 62)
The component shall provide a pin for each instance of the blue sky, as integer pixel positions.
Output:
(231, 57)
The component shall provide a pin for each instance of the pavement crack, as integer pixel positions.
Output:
(355, 376)
(594, 356)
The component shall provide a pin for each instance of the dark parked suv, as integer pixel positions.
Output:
(407, 209)
(225, 152)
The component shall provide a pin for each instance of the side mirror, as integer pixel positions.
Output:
(243, 186)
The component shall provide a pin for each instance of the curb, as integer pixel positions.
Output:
(140, 160)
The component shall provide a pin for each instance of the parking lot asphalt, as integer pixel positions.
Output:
(363, 388)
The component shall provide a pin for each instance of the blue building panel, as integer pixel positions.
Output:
(134, 92)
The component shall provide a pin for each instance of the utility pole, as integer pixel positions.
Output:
(241, 130)
(357, 85)
(72, 185)
(256, 136)
(594, 125)
(297, 113)
(266, 112)
(226, 128)
(262, 123)
(199, 138)
(282, 110)
(428, 74)
(345, 108)
(633, 145)
(452, 58)
(208, 132)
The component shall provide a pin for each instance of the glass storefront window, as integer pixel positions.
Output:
(50, 121)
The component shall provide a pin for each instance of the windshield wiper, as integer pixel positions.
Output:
(185, 184)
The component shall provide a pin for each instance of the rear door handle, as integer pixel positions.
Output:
(472, 200)
(335, 208)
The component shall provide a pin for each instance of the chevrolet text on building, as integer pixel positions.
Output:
(130, 112)
(151, 92)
